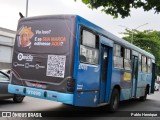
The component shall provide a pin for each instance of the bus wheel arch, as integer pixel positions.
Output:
(114, 98)
(117, 87)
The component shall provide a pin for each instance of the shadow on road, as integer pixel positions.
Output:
(72, 111)
(62, 110)
(7, 101)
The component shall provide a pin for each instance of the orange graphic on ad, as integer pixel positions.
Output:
(25, 35)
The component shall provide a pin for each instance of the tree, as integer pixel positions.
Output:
(148, 40)
(122, 7)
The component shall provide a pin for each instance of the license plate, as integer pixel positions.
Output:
(34, 93)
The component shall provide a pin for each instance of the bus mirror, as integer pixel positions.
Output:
(21, 15)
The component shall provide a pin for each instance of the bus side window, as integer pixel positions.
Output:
(144, 64)
(127, 59)
(149, 65)
(89, 48)
(140, 62)
(118, 56)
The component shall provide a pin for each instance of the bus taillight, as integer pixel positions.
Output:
(70, 85)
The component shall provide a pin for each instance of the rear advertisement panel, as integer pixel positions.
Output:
(42, 56)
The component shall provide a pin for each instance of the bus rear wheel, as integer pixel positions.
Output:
(114, 101)
(144, 98)
(18, 98)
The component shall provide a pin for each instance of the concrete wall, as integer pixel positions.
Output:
(7, 38)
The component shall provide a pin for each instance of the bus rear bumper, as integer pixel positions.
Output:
(40, 93)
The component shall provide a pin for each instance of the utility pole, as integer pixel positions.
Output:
(26, 8)
(133, 30)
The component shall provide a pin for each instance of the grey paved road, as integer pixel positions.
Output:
(34, 104)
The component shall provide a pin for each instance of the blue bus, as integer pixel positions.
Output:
(66, 58)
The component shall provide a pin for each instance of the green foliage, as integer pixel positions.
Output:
(148, 40)
(122, 7)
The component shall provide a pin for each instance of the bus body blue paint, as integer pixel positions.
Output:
(39, 93)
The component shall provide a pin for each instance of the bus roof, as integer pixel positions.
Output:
(96, 28)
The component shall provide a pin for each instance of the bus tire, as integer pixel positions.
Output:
(143, 98)
(18, 98)
(114, 101)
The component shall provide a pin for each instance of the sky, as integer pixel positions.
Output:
(9, 14)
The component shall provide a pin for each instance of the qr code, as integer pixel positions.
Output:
(56, 66)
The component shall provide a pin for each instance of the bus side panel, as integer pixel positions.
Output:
(143, 80)
(149, 81)
(115, 77)
(118, 78)
(86, 98)
(125, 94)
(86, 77)
(141, 84)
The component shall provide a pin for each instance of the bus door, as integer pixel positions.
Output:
(104, 71)
(134, 75)
(106, 51)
